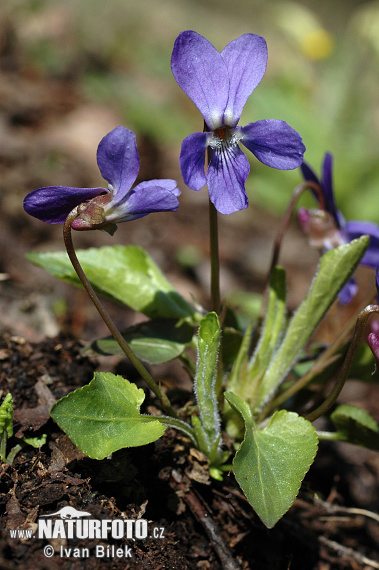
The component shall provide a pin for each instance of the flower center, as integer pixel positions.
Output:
(224, 137)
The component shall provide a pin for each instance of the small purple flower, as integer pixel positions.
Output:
(118, 161)
(332, 229)
(219, 84)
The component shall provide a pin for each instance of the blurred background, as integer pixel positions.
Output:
(71, 71)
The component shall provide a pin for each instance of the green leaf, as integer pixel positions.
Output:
(273, 325)
(335, 268)
(6, 416)
(205, 385)
(271, 463)
(36, 441)
(154, 342)
(231, 341)
(104, 416)
(356, 425)
(6, 424)
(126, 274)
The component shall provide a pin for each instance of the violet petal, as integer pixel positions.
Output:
(309, 174)
(327, 185)
(145, 198)
(226, 177)
(348, 292)
(201, 72)
(246, 60)
(118, 161)
(192, 160)
(274, 143)
(52, 204)
(355, 229)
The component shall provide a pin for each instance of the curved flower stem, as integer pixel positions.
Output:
(308, 185)
(342, 377)
(108, 320)
(298, 191)
(325, 359)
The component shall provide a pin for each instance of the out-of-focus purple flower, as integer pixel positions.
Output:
(373, 342)
(373, 337)
(101, 208)
(219, 84)
(328, 229)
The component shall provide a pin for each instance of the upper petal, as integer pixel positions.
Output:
(145, 198)
(192, 160)
(52, 204)
(118, 160)
(274, 143)
(327, 181)
(201, 72)
(355, 229)
(226, 177)
(246, 60)
(309, 174)
(327, 185)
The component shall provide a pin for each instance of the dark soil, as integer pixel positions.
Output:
(206, 524)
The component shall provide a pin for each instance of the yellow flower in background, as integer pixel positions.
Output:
(317, 44)
(304, 27)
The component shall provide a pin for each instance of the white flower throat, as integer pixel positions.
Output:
(224, 138)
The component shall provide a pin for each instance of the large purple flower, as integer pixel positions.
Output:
(219, 84)
(332, 230)
(118, 161)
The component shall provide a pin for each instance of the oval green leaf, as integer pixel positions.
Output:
(126, 274)
(271, 463)
(104, 416)
(154, 342)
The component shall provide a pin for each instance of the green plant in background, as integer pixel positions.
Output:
(251, 381)
(6, 432)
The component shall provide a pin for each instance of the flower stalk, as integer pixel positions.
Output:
(214, 257)
(67, 236)
(345, 369)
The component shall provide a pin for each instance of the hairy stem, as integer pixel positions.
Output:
(345, 369)
(108, 320)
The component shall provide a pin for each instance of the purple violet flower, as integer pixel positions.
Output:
(219, 84)
(100, 208)
(329, 229)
